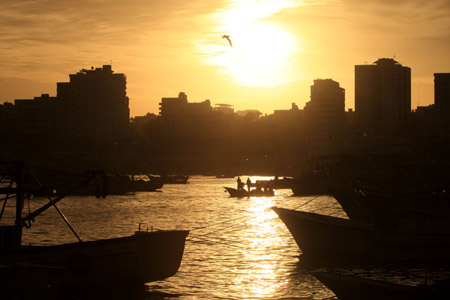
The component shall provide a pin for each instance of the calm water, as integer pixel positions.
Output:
(237, 248)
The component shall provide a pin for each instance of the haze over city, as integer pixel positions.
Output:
(164, 47)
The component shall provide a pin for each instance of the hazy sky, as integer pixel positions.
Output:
(168, 46)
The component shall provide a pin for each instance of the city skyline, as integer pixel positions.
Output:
(164, 47)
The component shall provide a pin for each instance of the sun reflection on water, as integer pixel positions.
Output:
(259, 236)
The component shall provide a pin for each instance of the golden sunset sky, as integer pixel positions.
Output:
(168, 46)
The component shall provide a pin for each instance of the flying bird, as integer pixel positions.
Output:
(228, 38)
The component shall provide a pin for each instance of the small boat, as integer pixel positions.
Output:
(101, 185)
(140, 185)
(305, 188)
(170, 179)
(225, 176)
(136, 259)
(311, 183)
(350, 287)
(332, 239)
(276, 183)
(284, 183)
(252, 193)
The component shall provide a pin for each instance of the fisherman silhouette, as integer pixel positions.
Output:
(249, 184)
(239, 183)
(228, 38)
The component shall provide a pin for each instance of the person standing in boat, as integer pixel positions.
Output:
(249, 184)
(239, 183)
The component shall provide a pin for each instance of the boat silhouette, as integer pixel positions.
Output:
(142, 257)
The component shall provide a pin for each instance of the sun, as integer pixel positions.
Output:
(260, 55)
(262, 50)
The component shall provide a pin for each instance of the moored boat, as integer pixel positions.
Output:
(276, 183)
(386, 210)
(252, 193)
(351, 287)
(141, 257)
(304, 188)
(170, 179)
(140, 185)
(333, 239)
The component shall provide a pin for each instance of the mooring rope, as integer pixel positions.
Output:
(230, 225)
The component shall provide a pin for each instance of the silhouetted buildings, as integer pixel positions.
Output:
(442, 102)
(324, 114)
(183, 119)
(383, 98)
(7, 120)
(442, 90)
(433, 121)
(92, 107)
(95, 104)
(89, 117)
(287, 122)
(36, 118)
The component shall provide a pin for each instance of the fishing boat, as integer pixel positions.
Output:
(351, 287)
(385, 209)
(241, 193)
(332, 239)
(349, 199)
(142, 257)
(142, 185)
(276, 183)
(304, 188)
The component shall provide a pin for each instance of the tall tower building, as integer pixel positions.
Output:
(383, 97)
(441, 117)
(442, 90)
(94, 105)
(324, 114)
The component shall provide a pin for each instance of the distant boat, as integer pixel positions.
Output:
(276, 183)
(100, 185)
(244, 193)
(170, 179)
(350, 287)
(305, 188)
(135, 259)
(225, 176)
(140, 185)
(311, 183)
(332, 239)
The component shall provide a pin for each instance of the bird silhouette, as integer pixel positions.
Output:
(228, 38)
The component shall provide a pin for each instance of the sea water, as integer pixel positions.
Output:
(237, 248)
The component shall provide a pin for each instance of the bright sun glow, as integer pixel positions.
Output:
(260, 54)
(261, 50)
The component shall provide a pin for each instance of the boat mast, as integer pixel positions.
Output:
(19, 195)
(11, 235)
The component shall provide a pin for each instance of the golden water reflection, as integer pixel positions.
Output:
(237, 247)
(259, 237)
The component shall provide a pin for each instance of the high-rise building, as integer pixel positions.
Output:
(94, 104)
(382, 98)
(442, 90)
(324, 114)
